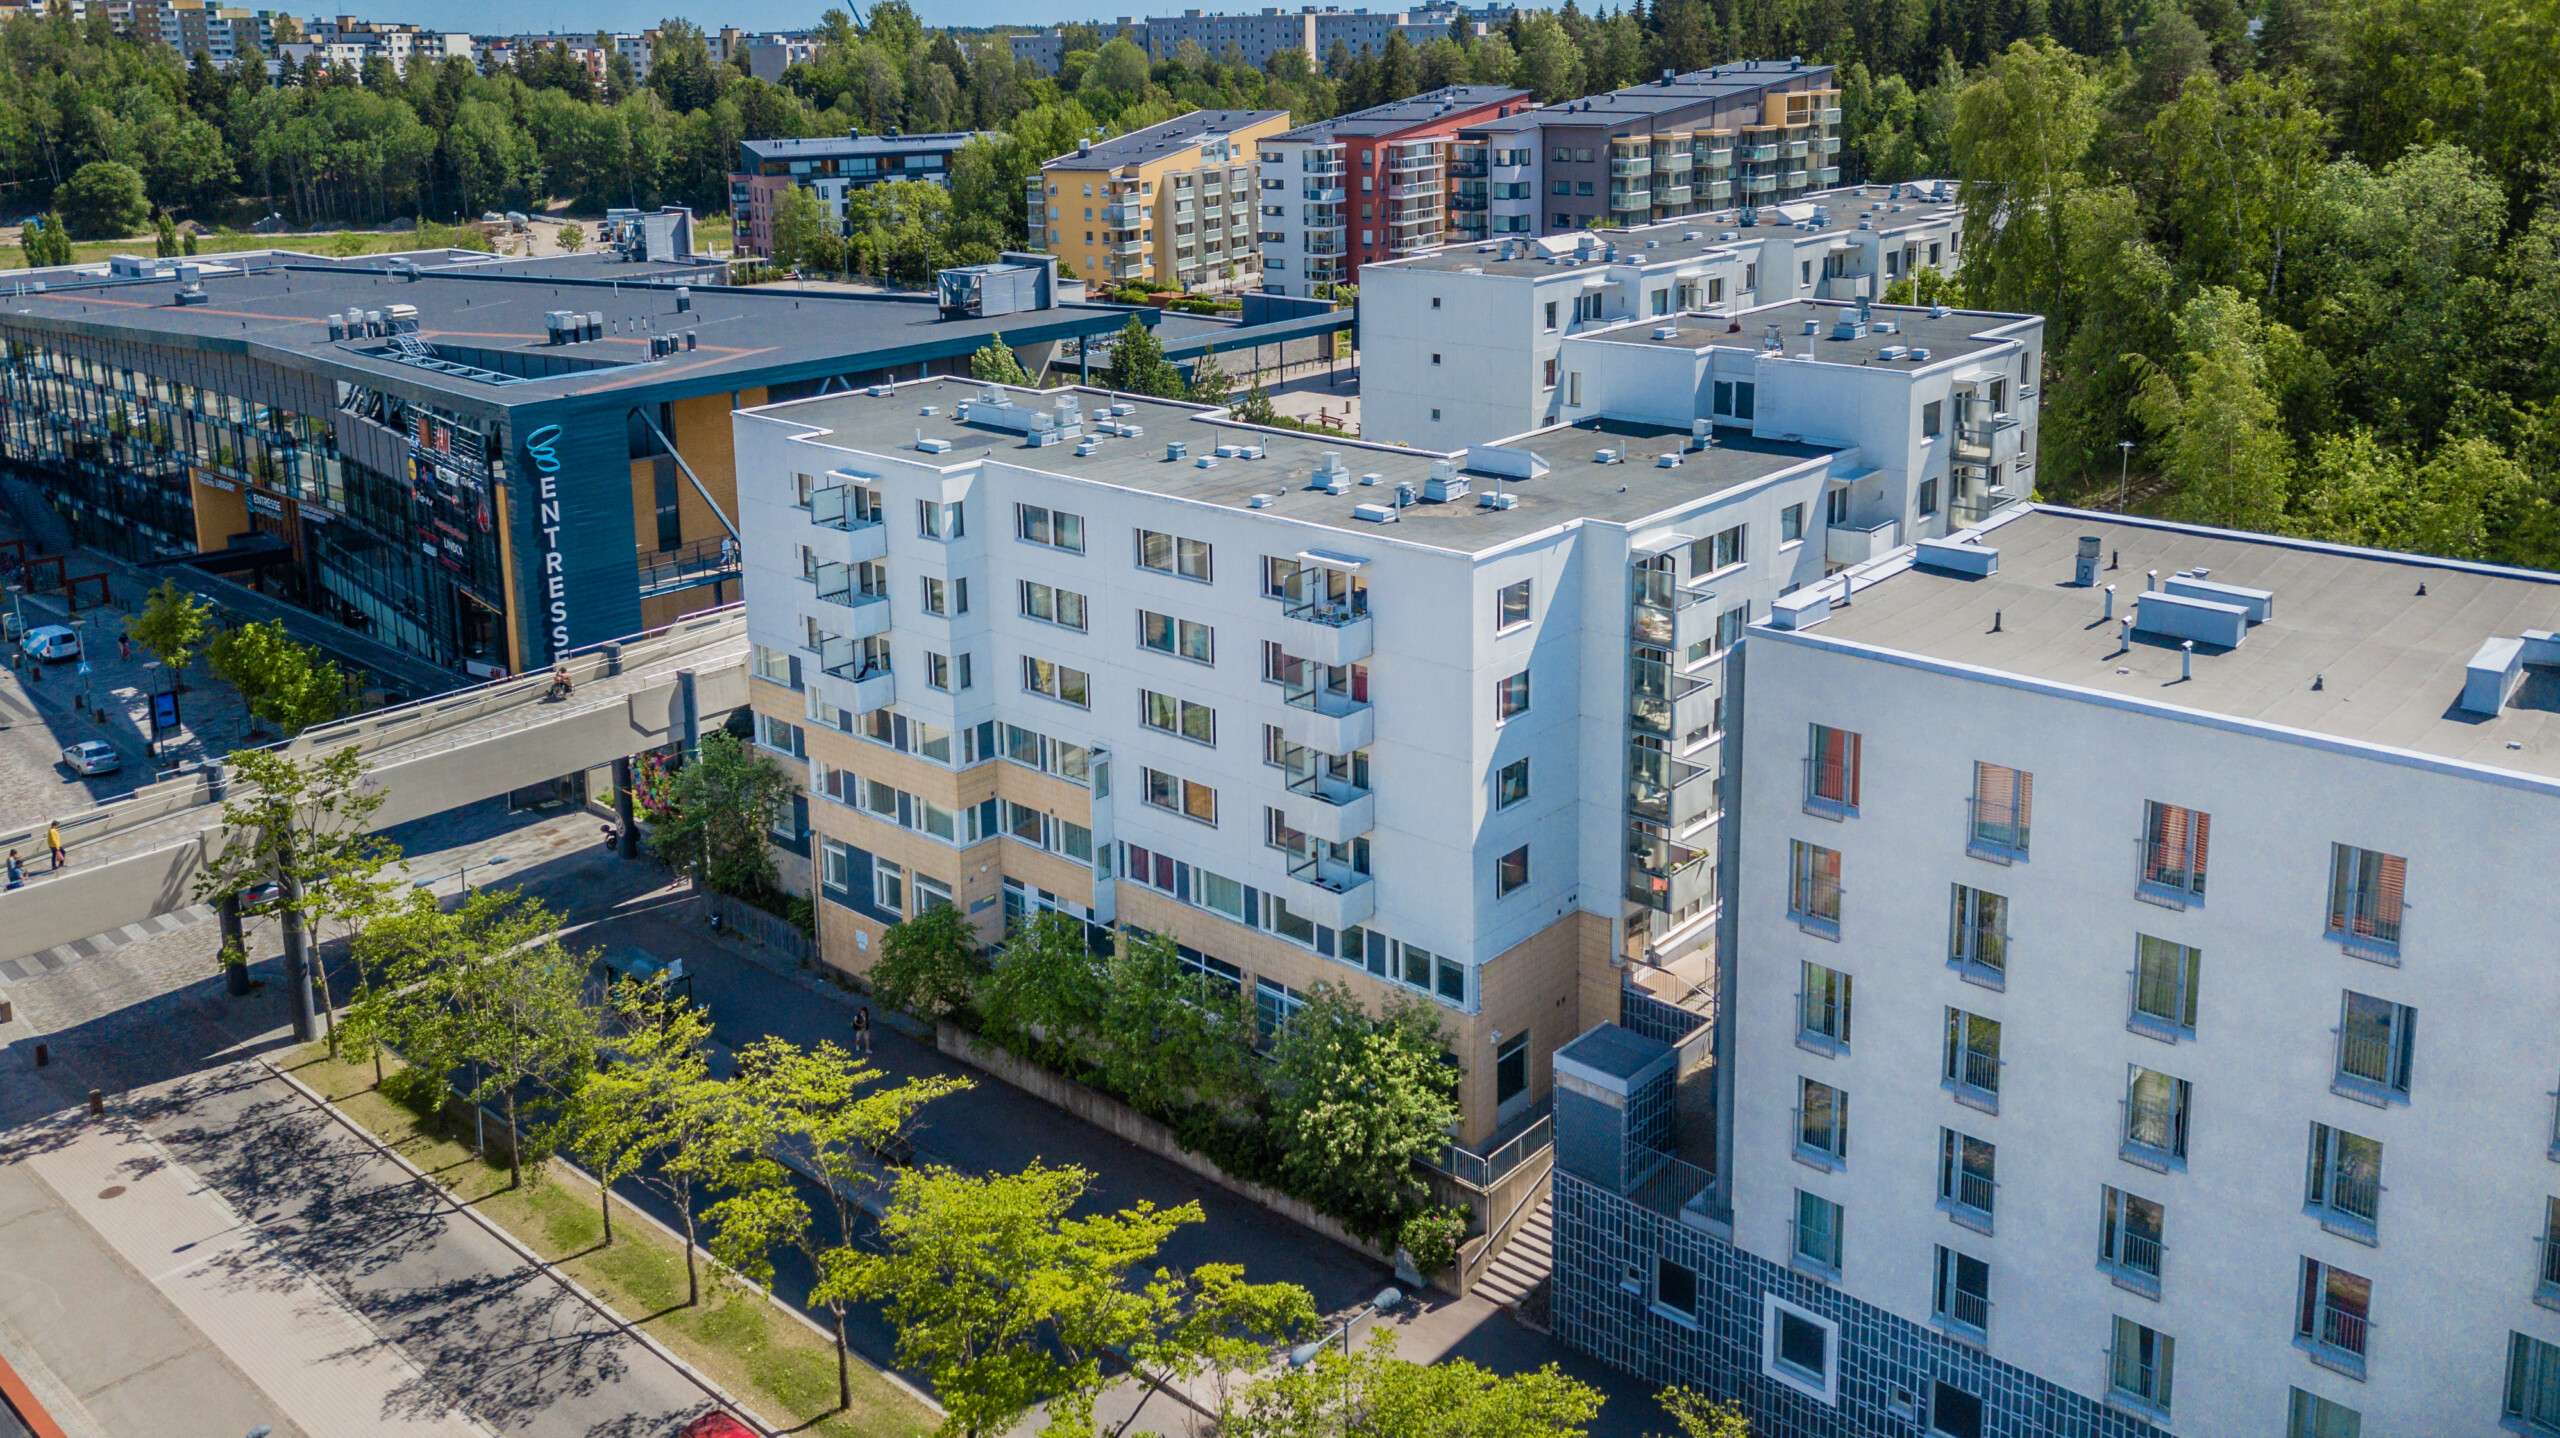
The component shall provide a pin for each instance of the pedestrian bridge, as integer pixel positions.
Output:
(138, 856)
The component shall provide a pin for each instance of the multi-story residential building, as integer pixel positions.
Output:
(1363, 187)
(830, 168)
(1043, 52)
(2089, 877)
(1465, 342)
(1172, 202)
(1751, 132)
(768, 55)
(442, 451)
(1314, 709)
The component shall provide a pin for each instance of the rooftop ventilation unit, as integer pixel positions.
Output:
(1262, 501)
(1088, 445)
(1249, 451)
(1496, 499)
(1610, 456)
(929, 411)
(1773, 340)
(1892, 352)
(1333, 483)
(1653, 244)
(1919, 355)
(1702, 434)
(1207, 461)
(191, 295)
(1938, 312)
(1444, 484)
(1175, 449)
(1666, 332)
(1375, 513)
(1888, 327)
(881, 391)
(1690, 235)
(1668, 459)
(684, 299)
(932, 446)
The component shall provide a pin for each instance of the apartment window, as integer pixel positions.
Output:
(2156, 1119)
(1797, 1346)
(1277, 576)
(1052, 606)
(2140, 1365)
(1181, 796)
(1274, 1004)
(2547, 1289)
(2003, 801)
(2377, 1042)
(1511, 606)
(1729, 626)
(1978, 934)
(2129, 1242)
(1963, 1295)
(1822, 1122)
(1510, 1064)
(775, 666)
(1548, 380)
(1928, 502)
(1818, 1232)
(1551, 326)
(1822, 1009)
(1966, 1181)
(1735, 399)
(2165, 979)
(1813, 889)
(1971, 1067)
(2533, 1384)
(1169, 554)
(1511, 697)
(1511, 784)
(1831, 770)
(1932, 418)
(2173, 845)
(780, 736)
(836, 868)
(1511, 872)
(2344, 1185)
(888, 886)
(1791, 524)
(1057, 681)
(1055, 528)
(943, 521)
(1954, 1413)
(1196, 722)
(1181, 638)
(2365, 896)
(2311, 1416)
(946, 596)
(1721, 550)
(946, 672)
(2335, 1310)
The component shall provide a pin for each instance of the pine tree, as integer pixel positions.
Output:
(1257, 407)
(1138, 364)
(1210, 383)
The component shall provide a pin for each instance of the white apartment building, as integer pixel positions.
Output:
(1344, 193)
(1465, 342)
(2091, 878)
(1446, 726)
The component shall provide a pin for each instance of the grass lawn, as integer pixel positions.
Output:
(340, 243)
(773, 1362)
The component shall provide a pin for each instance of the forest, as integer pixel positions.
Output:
(2304, 257)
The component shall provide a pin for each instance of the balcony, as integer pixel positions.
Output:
(1466, 169)
(1759, 184)
(865, 615)
(1673, 194)
(1844, 544)
(1416, 189)
(1319, 195)
(1125, 248)
(1716, 191)
(1426, 162)
(1795, 179)
(1667, 613)
(1792, 150)
(1123, 216)
(1326, 720)
(1827, 145)
(1995, 441)
(1324, 892)
(1469, 204)
(1413, 244)
(1630, 167)
(1328, 167)
(1336, 812)
(1828, 175)
(703, 561)
(1669, 791)
(1331, 632)
(1624, 200)
(855, 510)
(1717, 159)
(863, 684)
(1829, 116)
(1756, 154)
(1674, 161)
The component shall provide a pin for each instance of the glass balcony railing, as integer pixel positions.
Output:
(1756, 154)
(1631, 199)
(845, 506)
(1628, 167)
(1717, 159)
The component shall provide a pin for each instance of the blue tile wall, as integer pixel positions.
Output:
(1642, 1013)
(1599, 1235)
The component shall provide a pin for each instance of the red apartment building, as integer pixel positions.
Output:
(1372, 185)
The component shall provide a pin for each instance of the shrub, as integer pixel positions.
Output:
(1432, 1238)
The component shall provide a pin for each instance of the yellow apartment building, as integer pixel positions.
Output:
(1173, 203)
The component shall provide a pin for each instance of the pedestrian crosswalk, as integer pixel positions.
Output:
(47, 960)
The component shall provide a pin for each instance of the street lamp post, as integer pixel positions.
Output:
(2124, 462)
(1387, 1301)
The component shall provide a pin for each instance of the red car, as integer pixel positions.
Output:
(716, 1424)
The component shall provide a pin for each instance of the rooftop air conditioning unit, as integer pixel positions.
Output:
(932, 446)
(881, 391)
(1666, 332)
(1919, 355)
(1375, 513)
(1668, 459)
(1176, 449)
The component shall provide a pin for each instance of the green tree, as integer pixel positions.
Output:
(164, 236)
(2247, 162)
(171, 628)
(573, 237)
(929, 964)
(1375, 1394)
(1210, 384)
(996, 364)
(288, 684)
(1172, 1038)
(1356, 1099)
(1046, 987)
(1138, 365)
(1119, 70)
(2020, 134)
(723, 805)
(1699, 1416)
(1257, 407)
(104, 200)
(802, 234)
(1005, 1300)
(2213, 410)
(820, 1114)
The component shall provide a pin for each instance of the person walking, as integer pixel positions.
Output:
(124, 646)
(862, 1031)
(17, 870)
(53, 840)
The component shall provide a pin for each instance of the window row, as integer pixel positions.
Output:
(970, 824)
(890, 888)
(1410, 965)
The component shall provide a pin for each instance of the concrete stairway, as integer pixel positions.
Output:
(1522, 1264)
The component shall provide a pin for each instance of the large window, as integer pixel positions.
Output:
(1822, 1008)
(1968, 1184)
(1831, 770)
(1511, 784)
(1057, 681)
(2173, 845)
(2332, 1316)
(1822, 1122)
(2003, 799)
(1054, 528)
(1511, 872)
(2344, 1186)
(2141, 1364)
(2311, 1416)
(1196, 722)
(1721, 550)
(1168, 554)
(1971, 1066)
(1181, 796)
(2165, 979)
(2533, 1383)
(1978, 934)
(1181, 638)
(1962, 1299)
(2129, 1238)
(1052, 606)
(2156, 1119)
(1511, 606)
(1813, 890)
(1511, 696)
(2377, 1046)
(2365, 891)
(1818, 1237)
(1797, 1348)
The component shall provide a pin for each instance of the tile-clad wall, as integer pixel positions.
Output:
(1887, 1363)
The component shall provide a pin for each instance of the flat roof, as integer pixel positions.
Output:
(1621, 1054)
(1156, 141)
(1716, 232)
(1576, 486)
(1952, 335)
(2389, 661)
(280, 312)
(1405, 114)
(1719, 82)
(842, 147)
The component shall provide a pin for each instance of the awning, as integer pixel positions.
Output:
(1327, 559)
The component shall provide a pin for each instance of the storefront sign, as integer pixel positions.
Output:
(539, 451)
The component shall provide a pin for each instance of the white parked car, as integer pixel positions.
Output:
(92, 756)
(51, 642)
